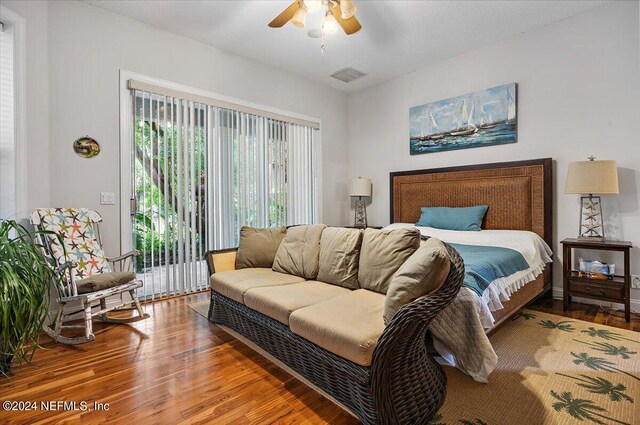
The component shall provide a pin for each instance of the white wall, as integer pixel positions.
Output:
(578, 95)
(87, 48)
(37, 100)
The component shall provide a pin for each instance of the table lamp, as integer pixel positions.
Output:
(587, 178)
(360, 187)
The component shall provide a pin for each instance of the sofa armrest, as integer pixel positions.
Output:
(401, 366)
(221, 260)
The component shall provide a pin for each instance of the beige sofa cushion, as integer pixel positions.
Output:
(349, 325)
(278, 302)
(258, 246)
(339, 256)
(234, 284)
(382, 254)
(299, 252)
(101, 281)
(423, 273)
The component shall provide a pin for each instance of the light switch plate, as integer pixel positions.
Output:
(107, 198)
(635, 281)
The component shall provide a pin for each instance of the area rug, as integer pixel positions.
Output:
(551, 370)
(201, 307)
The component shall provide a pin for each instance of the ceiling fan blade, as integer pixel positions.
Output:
(350, 26)
(285, 16)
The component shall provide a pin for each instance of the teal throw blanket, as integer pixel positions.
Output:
(484, 264)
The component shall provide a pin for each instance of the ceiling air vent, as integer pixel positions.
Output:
(348, 74)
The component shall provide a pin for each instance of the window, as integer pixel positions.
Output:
(201, 171)
(7, 123)
(271, 164)
(11, 197)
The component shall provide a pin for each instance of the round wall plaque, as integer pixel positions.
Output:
(86, 147)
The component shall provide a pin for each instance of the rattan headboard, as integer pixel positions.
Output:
(518, 193)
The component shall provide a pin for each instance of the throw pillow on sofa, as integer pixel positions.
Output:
(258, 247)
(299, 252)
(422, 274)
(339, 255)
(382, 254)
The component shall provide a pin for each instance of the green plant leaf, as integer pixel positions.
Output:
(26, 275)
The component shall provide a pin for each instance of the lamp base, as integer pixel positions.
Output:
(360, 219)
(591, 225)
(592, 238)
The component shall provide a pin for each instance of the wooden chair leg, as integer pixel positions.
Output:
(136, 301)
(103, 306)
(88, 325)
(136, 305)
(55, 332)
(60, 319)
(64, 315)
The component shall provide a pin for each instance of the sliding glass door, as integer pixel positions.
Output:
(198, 173)
(169, 203)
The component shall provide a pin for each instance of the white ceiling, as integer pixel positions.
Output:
(397, 36)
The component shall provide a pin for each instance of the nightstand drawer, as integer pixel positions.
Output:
(595, 290)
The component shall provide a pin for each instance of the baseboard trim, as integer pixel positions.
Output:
(635, 304)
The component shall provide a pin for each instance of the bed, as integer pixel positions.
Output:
(519, 196)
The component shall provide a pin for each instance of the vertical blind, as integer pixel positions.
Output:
(7, 123)
(262, 175)
(200, 173)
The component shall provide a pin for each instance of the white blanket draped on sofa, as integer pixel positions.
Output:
(459, 330)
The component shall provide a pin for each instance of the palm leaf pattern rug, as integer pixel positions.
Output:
(551, 370)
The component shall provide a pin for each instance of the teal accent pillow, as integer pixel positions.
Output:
(467, 218)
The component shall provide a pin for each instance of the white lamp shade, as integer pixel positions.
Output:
(592, 177)
(329, 23)
(360, 187)
(300, 17)
(347, 9)
(313, 5)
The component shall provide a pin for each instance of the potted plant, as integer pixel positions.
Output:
(25, 278)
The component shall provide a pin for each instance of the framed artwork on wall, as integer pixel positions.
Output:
(483, 118)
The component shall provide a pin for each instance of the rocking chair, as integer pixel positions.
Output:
(89, 277)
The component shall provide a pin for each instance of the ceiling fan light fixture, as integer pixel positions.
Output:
(315, 33)
(329, 23)
(337, 14)
(313, 5)
(300, 16)
(347, 9)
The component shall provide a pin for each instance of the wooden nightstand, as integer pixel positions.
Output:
(615, 290)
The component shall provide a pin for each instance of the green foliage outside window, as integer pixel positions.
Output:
(162, 221)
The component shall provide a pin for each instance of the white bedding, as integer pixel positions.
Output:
(457, 331)
(533, 248)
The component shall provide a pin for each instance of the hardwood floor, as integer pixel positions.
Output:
(588, 312)
(176, 367)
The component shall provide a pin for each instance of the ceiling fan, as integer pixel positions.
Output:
(338, 12)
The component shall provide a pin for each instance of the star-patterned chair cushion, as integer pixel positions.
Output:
(76, 226)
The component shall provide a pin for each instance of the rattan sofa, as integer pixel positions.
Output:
(402, 385)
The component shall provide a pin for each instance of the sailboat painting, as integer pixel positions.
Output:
(483, 118)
